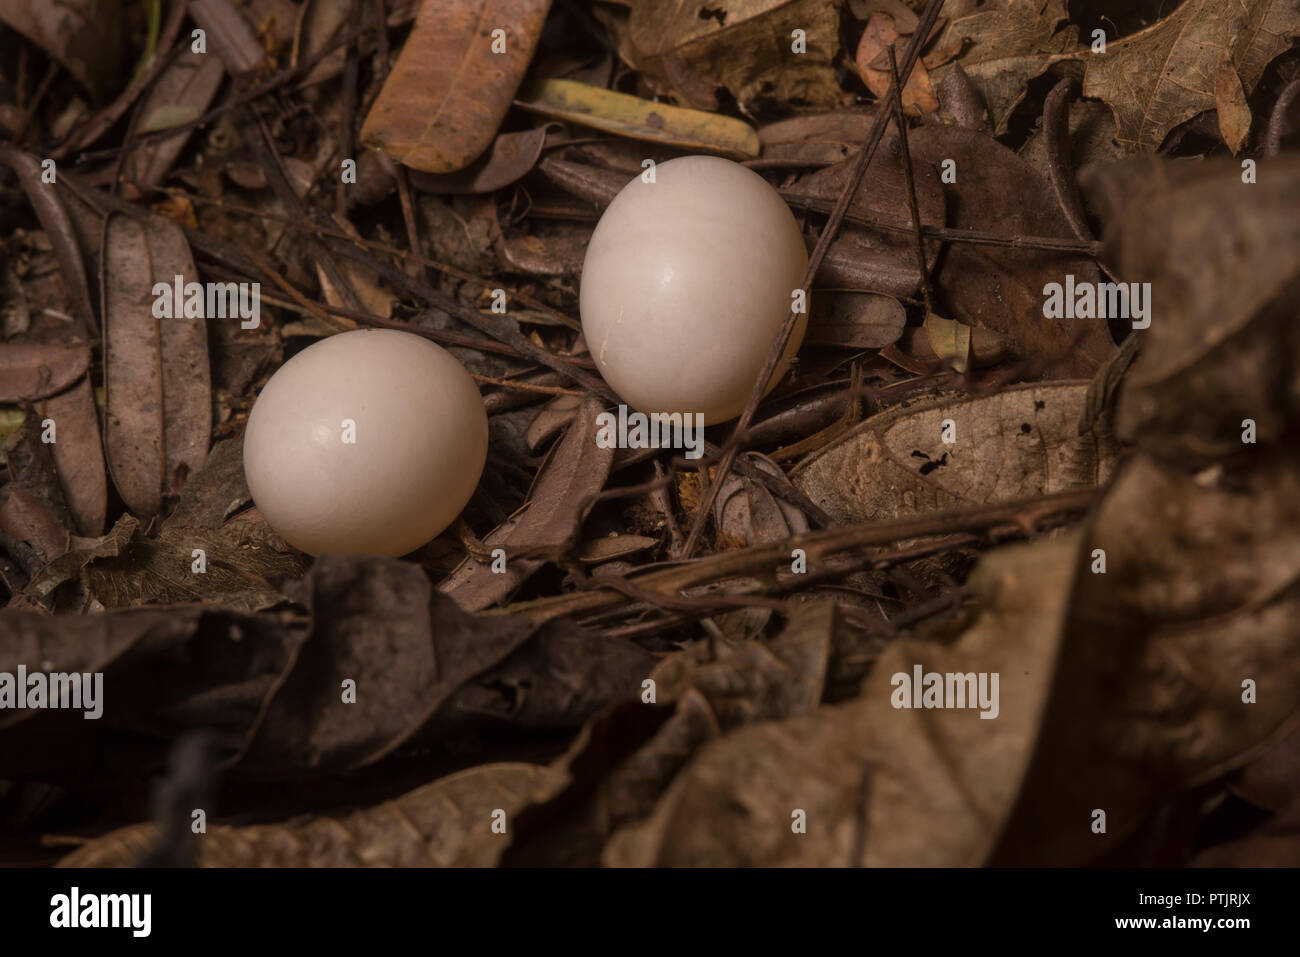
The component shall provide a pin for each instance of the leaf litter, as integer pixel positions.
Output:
(950, 480)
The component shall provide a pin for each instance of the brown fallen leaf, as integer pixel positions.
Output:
(157, 396)
(744, 47)
(85, 36)
(446, 823)
(575, 470)
(446, 96)
(854, 320)
(558, 250)
(1223, 344)
(1017, 444)
(181, 94)
(1199, 596)
(79, 455)
(230, 34)
(597, 550)
(1190, 45)
(876, 785)
(815, 139)
(1002, 289)
(641, 119)
(625, 757)
(746, 512)
(30, 371)
(865, 257)
(873, 67)
(29, 521)
(378, 626)
(1006, 45)
(510, 157)
(550, 420)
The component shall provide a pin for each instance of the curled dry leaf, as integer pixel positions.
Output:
(1018, 444)
(157, 391)
(446, 96)
(1194, 46)
(745, 511)
(744, 47)
(1005, 46)
(447, 823)
(640, 119)
(709, 686)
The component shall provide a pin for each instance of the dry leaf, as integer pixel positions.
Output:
(85, 36)
(1166, 74)
(510, 157)
(576, 469)
(873, 66)
(1001, 289)
(182, 93)
(1018, 444)
(447, 823)
(879, 786)
(30, 371)
(741, 46)
(447, 94)
(157, 394)
(641, 119)
(1005, 46)
(951, 341)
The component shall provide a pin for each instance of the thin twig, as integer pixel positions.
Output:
(1026, 516)
(900, 123)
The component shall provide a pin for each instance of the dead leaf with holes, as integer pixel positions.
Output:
(1018, 444)
(1182, 65)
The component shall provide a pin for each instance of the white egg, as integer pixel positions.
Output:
(686, 282)
(367, 442)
